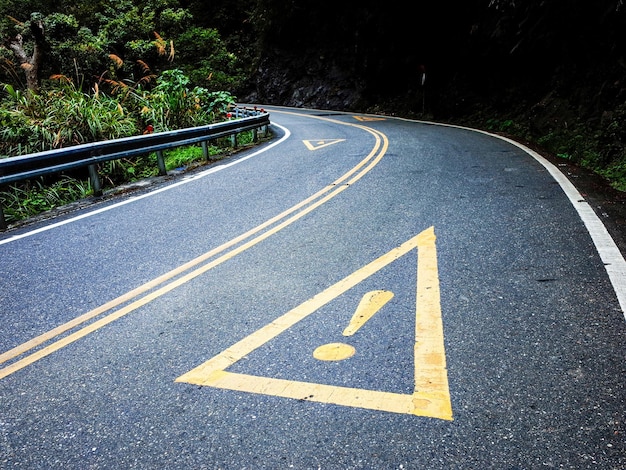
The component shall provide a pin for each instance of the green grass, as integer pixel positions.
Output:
(184, 156)
(27, 200)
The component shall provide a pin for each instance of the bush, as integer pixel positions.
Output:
(59, 117)
(173, 104)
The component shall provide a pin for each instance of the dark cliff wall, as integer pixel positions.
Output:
(551, 70)
(481, 47)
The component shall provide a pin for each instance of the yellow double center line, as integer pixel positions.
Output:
(193, 268)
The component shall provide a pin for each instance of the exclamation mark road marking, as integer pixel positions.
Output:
(371, 303)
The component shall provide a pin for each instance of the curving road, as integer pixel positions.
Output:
(362, 292)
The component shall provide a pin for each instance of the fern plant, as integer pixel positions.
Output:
(60, 116)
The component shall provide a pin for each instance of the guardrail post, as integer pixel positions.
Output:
(161, 163)
(255, 135)
(3, 222)
(233, 140)
(95, 180)
(205, 150)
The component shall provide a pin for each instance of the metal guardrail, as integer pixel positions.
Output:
(24, 167)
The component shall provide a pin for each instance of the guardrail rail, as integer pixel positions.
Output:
(24, 167)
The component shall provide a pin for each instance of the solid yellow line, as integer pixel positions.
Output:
(24, 347)
(21, 349)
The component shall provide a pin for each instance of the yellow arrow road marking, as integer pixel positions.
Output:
(431, 396)
(318, 144)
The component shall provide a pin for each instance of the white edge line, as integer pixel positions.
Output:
(185, 180)
(610, 254)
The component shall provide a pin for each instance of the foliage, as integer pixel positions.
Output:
(616, 173)
(59, 116)
(110, 71)
(72, 50)
(80, 40)
(206, 60)
(62, 115)
(173, 104)
(33, 197)
(182, 157)
(23, 201)
(508, 126)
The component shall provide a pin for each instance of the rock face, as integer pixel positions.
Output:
(552, 71)
(305, 81)
(471, 50)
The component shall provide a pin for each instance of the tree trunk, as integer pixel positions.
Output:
(30, 65)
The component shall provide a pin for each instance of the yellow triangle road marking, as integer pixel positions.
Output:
(318, 144)
(431, 395)
(369, 118)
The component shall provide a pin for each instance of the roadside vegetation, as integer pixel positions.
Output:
(598, 147)
(550, 72)
(106, 73)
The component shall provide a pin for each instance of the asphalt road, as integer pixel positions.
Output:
(361, 292)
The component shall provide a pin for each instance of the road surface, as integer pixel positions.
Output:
(361, 292)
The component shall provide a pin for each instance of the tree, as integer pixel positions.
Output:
(29, 62)
(205, 59)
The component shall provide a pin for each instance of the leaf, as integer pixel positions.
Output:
(116, 60)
